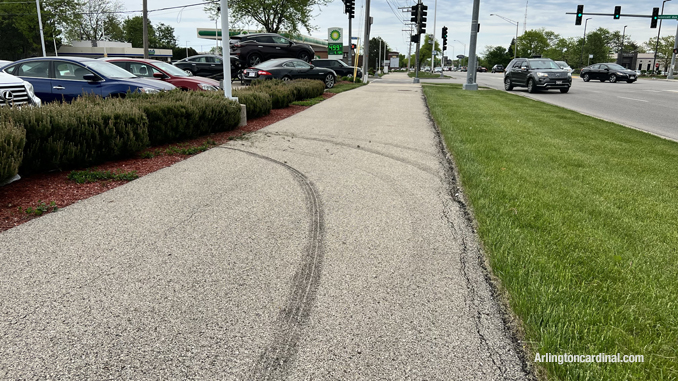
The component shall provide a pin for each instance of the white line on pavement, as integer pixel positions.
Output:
(633, 99)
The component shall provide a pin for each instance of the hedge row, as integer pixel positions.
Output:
(92, 130)
(61, 135)
(12, 141)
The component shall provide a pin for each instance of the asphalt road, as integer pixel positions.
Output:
(648, 105)
(332, 245)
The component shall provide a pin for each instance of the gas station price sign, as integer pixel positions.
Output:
(335, 49)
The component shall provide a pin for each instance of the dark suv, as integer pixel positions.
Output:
(251, 49)
(207, 65)
(339, 67)
(536, 74)
(498, 68)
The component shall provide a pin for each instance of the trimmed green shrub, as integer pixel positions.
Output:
(12, 141)
(86, 132)
(257, 103)
(177, 115)
(306, 88)
(281, 95)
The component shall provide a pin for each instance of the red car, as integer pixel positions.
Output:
(164, 71)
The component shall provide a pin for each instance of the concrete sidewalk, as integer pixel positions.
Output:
(327, 246)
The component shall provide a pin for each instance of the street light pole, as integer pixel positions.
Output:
(673, 56)
(42, 36)
(515, 45)
(656, 45)
(464, 49)
(621, 51)
(581, 61)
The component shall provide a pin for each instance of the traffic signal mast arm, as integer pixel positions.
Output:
(607, 14)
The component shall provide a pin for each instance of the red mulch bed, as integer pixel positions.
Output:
(48, 187)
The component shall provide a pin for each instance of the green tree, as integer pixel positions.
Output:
(374, 51)
(597, 44)
(164, 37)
(496, 55)
(274, 15)
(664, 49)
(20, 31)
(425, 51)
(96, 21)
(533, 42)
(133, 32)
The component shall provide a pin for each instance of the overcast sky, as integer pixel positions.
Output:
(388, 20)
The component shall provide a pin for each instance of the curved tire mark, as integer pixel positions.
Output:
(274, 361)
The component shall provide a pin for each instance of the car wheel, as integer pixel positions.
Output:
(253, 59)
(508, 86)
(613, 78)
(531, 88)
(189, 72)
(586, 78)
(304, 56)
(286, 78)
(565, 90)
(329, 81)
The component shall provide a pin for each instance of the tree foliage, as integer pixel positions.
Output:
(274, 16)
(19, 26)
(374, 52)
(96, 22)
(132, 31)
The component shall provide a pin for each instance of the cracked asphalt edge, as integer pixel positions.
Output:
(512, 323)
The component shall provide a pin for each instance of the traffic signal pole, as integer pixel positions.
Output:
(433, 37)
(366, 40)
(673, 57)
(473, 60)
(416, 56)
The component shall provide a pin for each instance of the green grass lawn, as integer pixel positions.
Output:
(579, 220)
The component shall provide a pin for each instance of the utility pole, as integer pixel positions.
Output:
(350, 40)
(145, 13)
(366, 41)
(379, 57)
(42, 36)
(656, 45)
(472, 69)
(433, 37)
(673, 57)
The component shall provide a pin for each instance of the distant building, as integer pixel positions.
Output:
(96, 49)
(639, 61)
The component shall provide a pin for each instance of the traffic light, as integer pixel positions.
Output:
(580, 13)
(444, 38)
(353, 46)
(617, 12)
(675, 51)
(414, 38)
(415, 14)
(655, 15)
(349, 8)
(422, 21)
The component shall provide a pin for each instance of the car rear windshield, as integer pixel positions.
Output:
(108, 69)
(543, 64)
(268, 64)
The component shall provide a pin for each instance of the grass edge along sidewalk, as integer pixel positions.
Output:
(577, 217)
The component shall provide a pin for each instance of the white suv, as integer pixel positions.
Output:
(14, 91)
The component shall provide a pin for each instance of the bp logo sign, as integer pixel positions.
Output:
(335, 35)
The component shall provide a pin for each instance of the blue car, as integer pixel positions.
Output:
(66, 78)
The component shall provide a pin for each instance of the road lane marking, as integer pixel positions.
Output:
(673, 91)
(655, 91)
(633, 99)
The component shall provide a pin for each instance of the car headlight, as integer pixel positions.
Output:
(29, 88)
(206, 87)
(619, 73)
(542, 75)
(148, 90)
(569, 74)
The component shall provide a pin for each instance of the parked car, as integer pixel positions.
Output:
(14, 91)
(208, 65)
(339, 67)
(165, 72)
(564, 65)
(498, 68)
(608, 72)
(536, 74)
(4, 63)
(437, 69)
(482, 69)
(66, 78)
(288, 69)
(251, 49)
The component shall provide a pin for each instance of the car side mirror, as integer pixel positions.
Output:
(159, 75)
(312, 66)
(523, 68)
(607, 69)
(90, 77)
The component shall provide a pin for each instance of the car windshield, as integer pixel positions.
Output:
(562, 64)
(108, 69)
(173, 70)
(543, 64)
(616, 67)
